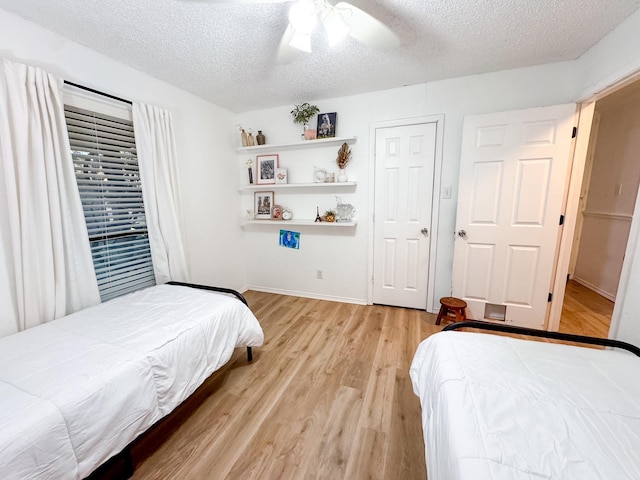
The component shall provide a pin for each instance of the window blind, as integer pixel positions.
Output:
(103, 149)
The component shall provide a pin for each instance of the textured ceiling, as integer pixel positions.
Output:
(226, 52)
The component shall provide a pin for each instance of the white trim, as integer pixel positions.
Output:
(609, 216)
(435, 212)
(79, 98)
(593, 288)
(584, 119)
(316, 296)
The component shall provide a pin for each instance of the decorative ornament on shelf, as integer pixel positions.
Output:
(319, 175)
(260, 138)
(244, 138)
(345, 211)
(287, 214)
(302, 113)
(344, 155)
(330, 216)
(250, 169)
(318, 217)
(250, 140)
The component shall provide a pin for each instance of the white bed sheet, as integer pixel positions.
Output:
(495, 407)
(76, 391)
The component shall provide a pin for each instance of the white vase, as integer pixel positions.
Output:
(342, 177)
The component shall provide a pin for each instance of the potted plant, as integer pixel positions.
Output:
(302, 114)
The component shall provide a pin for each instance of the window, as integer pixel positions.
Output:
(106, 166)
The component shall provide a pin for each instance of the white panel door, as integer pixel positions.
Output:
(404, 159)
(514, 171)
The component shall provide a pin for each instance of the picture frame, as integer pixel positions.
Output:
(276, 212)
(266, 166)
(281, 175)
(262, 205)
(289, 239)
(326, 125)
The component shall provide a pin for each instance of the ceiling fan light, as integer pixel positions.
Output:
(335, 27)
(302, 16)
(301, 41)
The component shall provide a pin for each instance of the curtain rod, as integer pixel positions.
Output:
(82, 87)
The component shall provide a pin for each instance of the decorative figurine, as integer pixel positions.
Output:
(250, 140)
(318, 218)
(260, 138)
(243, 134)
(250, 168)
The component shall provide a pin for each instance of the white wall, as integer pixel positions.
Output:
(608, 213)
(344, 257)
(613, 58)
(204, 136)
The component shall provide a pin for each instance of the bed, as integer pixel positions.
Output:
(496, 407)
(76, 391)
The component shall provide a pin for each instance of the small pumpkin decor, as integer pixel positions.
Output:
(330, 216)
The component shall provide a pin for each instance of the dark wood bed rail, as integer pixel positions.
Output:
(221, 290)
(496, 327)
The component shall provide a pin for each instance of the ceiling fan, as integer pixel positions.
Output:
(339, 21)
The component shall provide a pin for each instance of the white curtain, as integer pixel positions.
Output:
(46, 269)
(157, 160)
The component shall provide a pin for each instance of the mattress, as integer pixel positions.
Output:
(76, 391)
(495, 407)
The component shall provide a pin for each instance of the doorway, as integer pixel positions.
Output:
(404, 195)
(606, 208)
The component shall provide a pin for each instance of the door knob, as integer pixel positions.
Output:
(462, 233)
(425, 231)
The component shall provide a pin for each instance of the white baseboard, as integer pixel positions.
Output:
(315, 296)
(593, 288)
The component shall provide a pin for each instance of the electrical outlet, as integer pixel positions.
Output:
(320, 274)
(446, 192)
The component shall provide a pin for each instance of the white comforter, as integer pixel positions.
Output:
(495, 407)
(76, 391)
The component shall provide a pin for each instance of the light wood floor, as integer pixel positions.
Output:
(585, 312)
(328, 396)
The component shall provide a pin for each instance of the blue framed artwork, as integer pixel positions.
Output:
(289, 239)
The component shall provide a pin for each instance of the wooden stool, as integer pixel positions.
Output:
(452, 308)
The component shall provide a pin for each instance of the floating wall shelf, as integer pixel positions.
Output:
(284, 186)
(321, 142)
(309, 223)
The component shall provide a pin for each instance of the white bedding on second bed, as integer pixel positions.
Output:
(495, 407)
(78, 390)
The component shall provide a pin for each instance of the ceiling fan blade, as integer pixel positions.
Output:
(241, 1)
(368, 29)
(287, 53)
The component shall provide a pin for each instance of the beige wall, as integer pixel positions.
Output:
(612, 194)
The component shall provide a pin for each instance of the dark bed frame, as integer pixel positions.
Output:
(121, 465)
(496, 327)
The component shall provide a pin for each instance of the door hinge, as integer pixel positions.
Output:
(561, 219)
(550, 297)
(575, 132)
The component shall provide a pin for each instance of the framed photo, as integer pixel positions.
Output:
(327, 125)
(266, 168)
(281, 175)
(289, 239)
(262, 204)
(276, 212)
